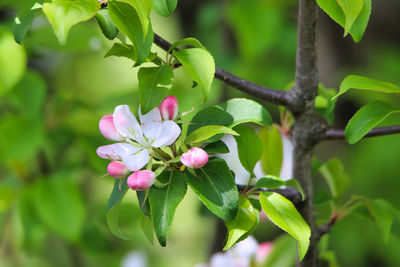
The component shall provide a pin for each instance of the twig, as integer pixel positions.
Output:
(264, 93)
(338, 134)
(290, 193)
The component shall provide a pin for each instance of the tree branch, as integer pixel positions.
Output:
(290, 193)
(337, 134)
(264, 93)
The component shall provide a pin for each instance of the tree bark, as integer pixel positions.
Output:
(306, 122)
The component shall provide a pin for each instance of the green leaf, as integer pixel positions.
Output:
(128, 22)
(270, 182)
(333, 9)
(122, 50)
(243, 224)
(324, 104)
(63, 14)
(147, 227)
(12, 61)
(106, 25)
(23, 21)
(164, 7)
(364, 83)
(143, 8)
(382, 217)
(199, 64)
(283, 213)
(60, 206)
(216, 188)
(367, 118)
(249, 147)
(217, 147)
(210, 116)
(154, 85)
(163, 202)
(114, 201)
(207, 132)
(272, 156)
(187, 42)
(244, 110)
(335, 177)
(351, 10)
(273, 182)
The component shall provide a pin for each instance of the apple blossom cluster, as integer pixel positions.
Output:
(139, 142)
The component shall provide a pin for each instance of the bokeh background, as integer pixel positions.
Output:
(53, 195)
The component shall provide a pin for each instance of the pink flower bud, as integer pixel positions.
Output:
(141, 180)
(194, 158)
(108, 130)
(169, 108)
(117, 169)
(263, 250)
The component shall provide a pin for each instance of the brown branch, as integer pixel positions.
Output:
(290, 193)
(337, 134)
(264, 93)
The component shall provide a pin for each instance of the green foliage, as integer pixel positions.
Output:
(164, 7)
(23, 21)
(193, 42)
(200, 66)
(127, 20)
(210, 116)
(249, 147)
(353, 16)
(271, 159)
(337, 180)
(283, 213)
(216, 188)
(122, 50)
(143, 8)
(244, 110)
(106, 25)
(273, 182)
(60, 206)
(325, 103)
(63, 14)
(118, 193)
(147, 227)
(12, 61)
(367, 118)
(163, 202)
(154, 85)
(217, 147)
(364, 83)
(243, 224)
(206, 132)
(351, 10)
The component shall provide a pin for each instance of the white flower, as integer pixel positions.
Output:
(139, 138)
(287, 161)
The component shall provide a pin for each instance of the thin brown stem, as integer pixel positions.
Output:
(338, 134)
(264, 93)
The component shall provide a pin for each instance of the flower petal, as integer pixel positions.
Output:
(287, 162)
(151, 123)
(232, 159)
(167, 134)
(116, 151)
(137, 160)
(126, 123)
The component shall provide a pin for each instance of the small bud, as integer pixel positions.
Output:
(141, 180)
(117, 169)
(169, 108)
(108, 130)
(194, 158)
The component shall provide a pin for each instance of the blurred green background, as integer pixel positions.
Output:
(53, 195)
